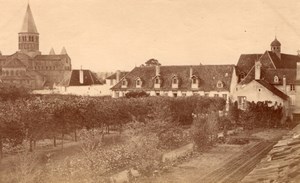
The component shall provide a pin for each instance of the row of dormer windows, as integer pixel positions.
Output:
(175, 83)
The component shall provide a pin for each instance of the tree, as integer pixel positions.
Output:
(152, 62)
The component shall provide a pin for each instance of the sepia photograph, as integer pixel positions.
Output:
(150, 91)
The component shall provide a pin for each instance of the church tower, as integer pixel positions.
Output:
(276, 47)
(29, 36)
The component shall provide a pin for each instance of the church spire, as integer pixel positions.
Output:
(63, 51)
(29, 36)
(28, 22)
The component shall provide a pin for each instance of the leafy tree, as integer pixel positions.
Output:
(152, 62)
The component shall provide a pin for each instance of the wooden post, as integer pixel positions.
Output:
(54, 141)
(1, 148)
(30, 145)
(75, 135)
(62, 140)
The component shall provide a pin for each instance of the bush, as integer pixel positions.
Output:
(136, 94)
(172, 138)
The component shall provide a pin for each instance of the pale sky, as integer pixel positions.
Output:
(109, 35)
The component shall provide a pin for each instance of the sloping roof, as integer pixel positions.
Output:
(14, 63)
(282, 162)
(290, 75)
(268, 60)
(208, 76)
(114, 76)
(50, 57)
(28, 23)
(73, 78)
(246, 62)
(273, 89)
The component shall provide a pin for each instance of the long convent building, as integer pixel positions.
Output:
(30, 68)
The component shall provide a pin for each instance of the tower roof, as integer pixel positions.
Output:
(63, 51)
(52, 52)
(275, 42)
(28, 23)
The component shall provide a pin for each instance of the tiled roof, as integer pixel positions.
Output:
(49, 57)
(114, 76)
(208, 76)
(282, 163)
(273, 89)
(290, 75)
(246, 62)
(268, 60)
(72, 78)
(14, 63)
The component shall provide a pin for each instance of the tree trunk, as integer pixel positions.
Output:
(1, 148)
(62, 140)
(75, 135)
(34, 144)
(54, 141)
(30, 145)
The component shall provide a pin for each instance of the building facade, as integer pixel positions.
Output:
(271, 76)
(173, 81)
(28, 67)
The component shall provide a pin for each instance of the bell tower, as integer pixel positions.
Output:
(276, 47)
(29, 36)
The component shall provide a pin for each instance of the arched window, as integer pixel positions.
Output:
(175, 81)
(242, 76)
(220, 84)
(11, 72)
(124, 83)
(194, 80)
(276, 79)
(157, 81)
(138, 82)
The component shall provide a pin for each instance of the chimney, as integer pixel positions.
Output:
(157, 70)
(298, 71)
(284, 83)
(257, 70)
(81, 78)
(191, 72)
(118, 74)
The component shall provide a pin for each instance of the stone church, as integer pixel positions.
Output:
(28, 67)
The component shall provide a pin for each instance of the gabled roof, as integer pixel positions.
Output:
(73, 79)
(208, 76)
(14, 63)
(246, 62)
(273, 89)
(28, 23)
(114, 76)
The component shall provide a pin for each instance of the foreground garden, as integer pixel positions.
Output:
(113, 135)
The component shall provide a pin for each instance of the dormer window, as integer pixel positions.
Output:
(138, 83)
(157, 82)
(124, 83)
(175, 82)
(242, 76)
(220, 84)
(195, 82)
(276, 79)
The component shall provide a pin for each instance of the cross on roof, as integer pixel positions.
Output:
(298, 51)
